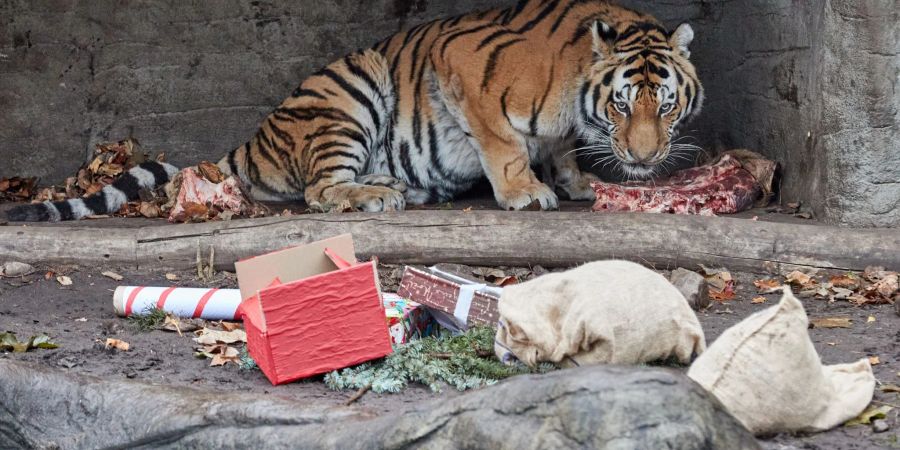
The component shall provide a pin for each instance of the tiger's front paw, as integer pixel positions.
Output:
(530, 196)
(579, 188)
(360, 197)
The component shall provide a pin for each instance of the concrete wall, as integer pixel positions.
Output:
(811, 84)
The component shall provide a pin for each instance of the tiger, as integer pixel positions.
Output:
(426, 113)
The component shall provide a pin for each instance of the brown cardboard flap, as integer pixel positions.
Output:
(292, 264)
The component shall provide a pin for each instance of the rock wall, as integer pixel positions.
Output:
(857, 124)
(811, 84)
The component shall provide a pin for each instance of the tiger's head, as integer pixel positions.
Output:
(640, 88)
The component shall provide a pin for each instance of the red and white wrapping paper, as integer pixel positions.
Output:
(195, 303)
(455, 302)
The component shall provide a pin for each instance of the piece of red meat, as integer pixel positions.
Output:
(724, 187)
(195, 189)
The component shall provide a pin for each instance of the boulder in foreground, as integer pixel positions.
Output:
(590, 407)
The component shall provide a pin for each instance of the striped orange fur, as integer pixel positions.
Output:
(427, 112)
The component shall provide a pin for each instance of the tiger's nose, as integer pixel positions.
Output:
(644, 157)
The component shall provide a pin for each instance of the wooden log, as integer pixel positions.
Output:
(550, 239)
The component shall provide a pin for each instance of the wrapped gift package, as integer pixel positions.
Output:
(190, 303)
(312, 309)
(406, 320)
(455, 302)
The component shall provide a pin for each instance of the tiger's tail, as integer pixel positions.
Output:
(127, 187)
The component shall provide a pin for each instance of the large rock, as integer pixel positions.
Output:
(693, 286)
(594, 407)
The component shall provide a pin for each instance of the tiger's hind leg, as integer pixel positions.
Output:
(341, 195)
(387, 181)
(345, 128)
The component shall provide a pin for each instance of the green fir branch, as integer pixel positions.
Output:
(462, 362)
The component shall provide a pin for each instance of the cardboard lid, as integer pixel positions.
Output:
(292, 264)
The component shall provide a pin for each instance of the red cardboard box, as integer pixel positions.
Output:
(312, 309)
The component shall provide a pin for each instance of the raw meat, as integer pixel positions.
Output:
(195, 191)
(724, 187)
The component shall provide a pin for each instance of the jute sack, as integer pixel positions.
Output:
(614, 312)
(767, 373)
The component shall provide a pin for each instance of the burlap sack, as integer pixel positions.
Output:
(613, 312)
(766, 371)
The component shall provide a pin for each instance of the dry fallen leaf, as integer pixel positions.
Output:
(798, 278)
(871, 413)
(10, 343)
(858, 300)
(758, 300)
(767, 286)
(173, 323)
(506, 281)
(230, 326)
(111, 170)
(94, 166)
(831, 322)
(841, 293)
(193, 212)
(874, 360)
(874, 273)
(888, 285)
(211, 172)
(720, 283)
(212, 337)
(172, 277)
(149, 210)
(721, 296)
(848, 281)
(890, 388)
(64, 280)
(230, 354)
(117, 344)
(81, 319)
(870, 319)
(219, 353)
(113, 275)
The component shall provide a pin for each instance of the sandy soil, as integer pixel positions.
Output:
(79, 317)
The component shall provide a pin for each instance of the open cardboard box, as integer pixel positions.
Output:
(312, 309)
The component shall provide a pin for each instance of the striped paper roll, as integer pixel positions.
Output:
(210, 304)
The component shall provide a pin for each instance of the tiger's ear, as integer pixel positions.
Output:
(604, 40)
(681, 39)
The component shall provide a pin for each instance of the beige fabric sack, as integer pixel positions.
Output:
(614, 312)
(767, 373)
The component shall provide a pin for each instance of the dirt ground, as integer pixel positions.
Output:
(81, 316)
